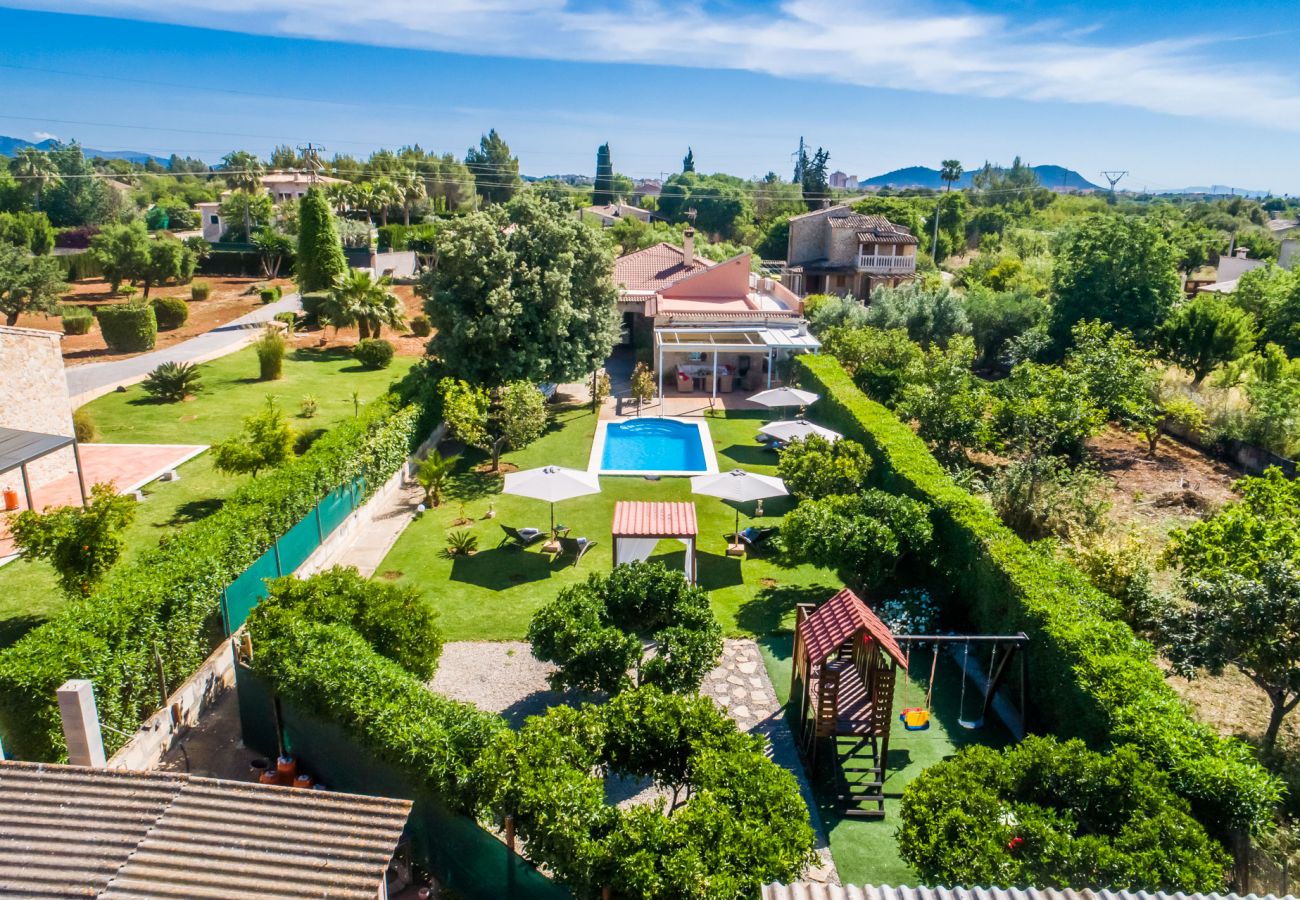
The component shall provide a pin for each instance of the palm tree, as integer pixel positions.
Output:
(339, 196)
(387, 193)
(950, 170)
(411, 187)
(432, 475)
(37, 172)
(363, 300)
(362, 196)
(244, 173)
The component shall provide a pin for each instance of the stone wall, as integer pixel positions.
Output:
(35, 397)
(807, 238)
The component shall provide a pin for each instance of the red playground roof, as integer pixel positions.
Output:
(635, 518)
(837, 620)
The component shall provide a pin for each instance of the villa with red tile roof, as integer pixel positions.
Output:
(838, 251)
(715, 327)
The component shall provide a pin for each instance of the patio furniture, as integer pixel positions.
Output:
(726, 384)
(520, 537)
(755, 538)
(551, 483)
(685, 384)
(738, 486)
(575, 547)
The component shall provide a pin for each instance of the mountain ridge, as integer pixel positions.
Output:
(1050, 176)
(11, 145)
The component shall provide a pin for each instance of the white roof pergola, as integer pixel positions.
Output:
(715, 339)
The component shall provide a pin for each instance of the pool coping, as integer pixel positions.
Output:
(706, 439)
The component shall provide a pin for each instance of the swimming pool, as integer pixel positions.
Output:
(653, 446)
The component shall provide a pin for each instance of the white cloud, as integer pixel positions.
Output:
(39, 136)
(885, 44)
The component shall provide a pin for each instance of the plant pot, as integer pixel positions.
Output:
(11, 500)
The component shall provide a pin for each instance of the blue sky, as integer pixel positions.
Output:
(1174, 91)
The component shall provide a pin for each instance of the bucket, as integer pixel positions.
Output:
(11, 500)
(303, 781)
(286, 768)
(268, 776)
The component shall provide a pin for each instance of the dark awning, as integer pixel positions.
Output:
(17, 448)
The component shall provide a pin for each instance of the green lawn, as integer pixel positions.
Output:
(492, 595)
(866, 850)
(28, 591)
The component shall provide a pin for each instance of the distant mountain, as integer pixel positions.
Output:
(11, 145)
(925, 177)
(1218, 190)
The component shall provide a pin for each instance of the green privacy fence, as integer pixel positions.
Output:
(461, 855)
(289, 552)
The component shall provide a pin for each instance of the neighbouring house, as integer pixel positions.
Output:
(711, 327)
(838, 251)
(1283, 229)
(36, 398)
(1199, 278)
(1229, 272)
(75, 831)
(286, 186)
(210, 219)
(613, 213)
(647, 187)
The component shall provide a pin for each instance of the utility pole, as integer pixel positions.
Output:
(1113, 177)
(311, 161)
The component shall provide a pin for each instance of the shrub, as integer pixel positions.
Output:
(128, 327)
(461, 542)
(289, 319)
(1055, 815)
(393, 619)
(83, 426)
(267, 441)
(270, 348)
(269, 293)
(172, 382)
(1093, 678)
(815, 468)
(307, 409)
(882, 363)
(373, 353)
(929, 316)
(77, 319)
(591, 631)
(167, 600)
(420, 326)
(170, 312)
(863, 536)
(200, 290)
(735, 821)
(82, 544)
(1041, 496)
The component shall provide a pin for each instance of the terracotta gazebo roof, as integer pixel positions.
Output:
(837, 620)
(636, 518)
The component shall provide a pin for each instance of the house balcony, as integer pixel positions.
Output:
(887, 265)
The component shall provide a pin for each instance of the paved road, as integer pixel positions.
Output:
(87, 382)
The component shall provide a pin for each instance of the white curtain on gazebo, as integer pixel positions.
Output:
(630, 550)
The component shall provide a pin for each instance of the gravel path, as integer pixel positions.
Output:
(504, 677)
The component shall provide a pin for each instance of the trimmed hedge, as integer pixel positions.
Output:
(373, 353)
(168, 600)
(128, 327)
(170, 312)
(1090, 676)
(77, 319)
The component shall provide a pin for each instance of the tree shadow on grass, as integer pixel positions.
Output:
(325, 354)
(750, 454)
(501, 568)
(193, 511)
(12, 629)
(763, 612)
(717, 570)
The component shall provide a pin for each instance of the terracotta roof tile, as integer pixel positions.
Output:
(637, 518)
(655, 268)
(837, 620)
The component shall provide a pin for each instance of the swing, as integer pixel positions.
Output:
(916, 718)
(964, 722)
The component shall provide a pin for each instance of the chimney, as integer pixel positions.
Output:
(1243, 252)
(688, 246)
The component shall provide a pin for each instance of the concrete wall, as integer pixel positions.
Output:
(35, 397)
(398, 263)
(1290, 254)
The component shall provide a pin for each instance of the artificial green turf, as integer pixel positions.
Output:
(492, 595)
(29, 593)
(866, 850)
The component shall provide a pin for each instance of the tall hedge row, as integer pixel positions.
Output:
(165, 605)
(1090, 676)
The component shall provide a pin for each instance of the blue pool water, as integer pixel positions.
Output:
(655, 445)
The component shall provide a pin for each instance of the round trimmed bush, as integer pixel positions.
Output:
(128, 327)
(421, 327)
(733, 820)
(373, 353)
(269, 293)
(170, 312)
(1055, 815)
(593, 632)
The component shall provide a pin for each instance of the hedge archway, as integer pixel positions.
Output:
(731, 820)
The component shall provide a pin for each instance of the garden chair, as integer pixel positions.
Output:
(520, 537)
(755, 539)
(575, 547)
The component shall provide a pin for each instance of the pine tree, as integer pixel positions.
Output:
(320, 260)
(496, 172)
(816, 181)
(688, 161)
(603, 193)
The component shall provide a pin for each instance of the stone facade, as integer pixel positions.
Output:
(35, 397)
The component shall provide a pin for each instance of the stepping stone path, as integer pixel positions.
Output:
(740, 686)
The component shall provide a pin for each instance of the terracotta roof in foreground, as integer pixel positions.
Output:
(71, 831)
(638, 518)
(837, 620)
(656, 268)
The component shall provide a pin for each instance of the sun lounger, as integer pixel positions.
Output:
(520, 537)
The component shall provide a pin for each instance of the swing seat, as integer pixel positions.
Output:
(914, 718)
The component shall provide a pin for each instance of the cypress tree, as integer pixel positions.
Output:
(320, 259)
(603, 191)
(688, 161)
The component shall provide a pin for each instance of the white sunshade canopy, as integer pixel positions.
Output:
(552, 483)
(784, 396)
(738, 485)
(797, 429)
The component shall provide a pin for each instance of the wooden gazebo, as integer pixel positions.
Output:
(842, 684)
(640, 525)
